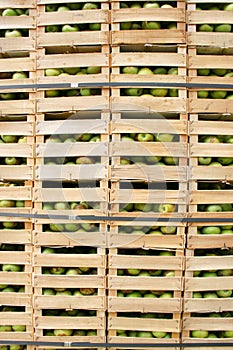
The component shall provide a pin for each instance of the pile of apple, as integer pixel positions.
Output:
(216, 161)
(72, 227)
(72, 27)
(69, 206)
(151, 25)
(215, 94)
(13, 347)
(13, 33)
(215, 230)
(12, 139)
(215, 27)
(221, 293)
(148, 207)
(221, 207)
(153, 230)
(152, 159)
(14, 95)
(72, 92)
(69, 332)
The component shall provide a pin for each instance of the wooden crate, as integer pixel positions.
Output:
(124, 311)
(196, 18)
(77, 17)
(163, 35)
(205, 301)
(204, 99)
(16, 302)
(208, 187)
(20, 154)
(26, 24)
(92, 281)
(146, 234)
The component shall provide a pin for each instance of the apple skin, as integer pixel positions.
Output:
(12, 33)
(69, 28)
(19, 75)
(214, 230)
(199, 334)
(63, 332)
(159, 334)
(166, 208)
(19, 328)
(11, 268)
(9, 12)
(224, 293)
(145, 137)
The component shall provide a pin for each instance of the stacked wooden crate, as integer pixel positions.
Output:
(209, 260)
(71, 173)
(17, 106)
(147, 173)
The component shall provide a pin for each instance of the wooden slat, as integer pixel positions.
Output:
(69, 260)
(71, 302)
(73, 17)
(12, 257)
(16, 236)
(17, 22)
(145, 283)
(206, 173)
(206, 197)
(19, 278)
(208, 305)
(148, 59)
(15, 193)
(16, 64)
(16, 318)
(16, 150)
(163, 36)
(17, 106)
(70, 194)
(204, 242)
(79, 281)
(77, 38)
(145, 262)
(210, 61)
(209, 127)
(17, 4)
(145, 14)
(143, 324)
(208, 283)
(209, 263)
(19, 44)
(62, 322)
(16, 172)
(68, 126)
(202, 17)
(223, 40)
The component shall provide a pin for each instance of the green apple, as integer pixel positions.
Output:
(19, 75)
(159, 334)
(5, 329)
(228, 7)
(163, 137)
(211, 139)
(125, 25)
(202, 94)
(63, 332)
(213, 230)
(8, 290)
(145, 71)
(166, 6)
(57, 270)
(203, 71)
(8, 96)
(199, 334)
(160, 70)
(4, 203)
(223, 28)
(71, 70)
(151, 25)
(9, 12)
(130, 70)
(9, 224)
(133, 92)
(227, 334)
(56, 227)
(48, 291)
(11, 268)
(151, 5)
(135, 294)
(225, 160)
(52, 93)
(133, 272)
(84, 160)
(213, 208)
(206, 28)
(19, 328)
(219, 71)
(153, 159)
(94, 26)
(143, 207)
(61, 206)
(171, 160)
(93, 70)
(90, 6)
(173, 71)
(166, 208)
(197, 295)
(158, 92)
(72, 227)
(22, 139)
(14, 33)
(227, 207)
(70, 28)
(50, 8)
(63, 8)
(145, 137)
(218, 94)
(85, 92)
(52, 72)
(144, 334)
(170, 230)
(166, 295)
(48, 250)
(224, 293)
(52, 29)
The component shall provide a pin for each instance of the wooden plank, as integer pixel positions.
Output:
(210, 61)
(16, 236)
(16, 150)
(208, 305)
(146, 262)
(164, 305)
(71, 302)
(148, 59)
(17, 318)
(143, 324)
(204, 242)
(76, 103)
(223, 40)
(77, 38)
(208, 16)
(69, 60)
(217, 324)
(209, 263)
(208, 127)
(145, 14)
(15, 193)
(16, 64)
(147, 104)
(148, 196)
(79, 281)
(75, 149)
(149, 126)
(206, 197)
(70, 194)
(62, 322)
(206, 173)
(145, 283)
(140, 78)
(70, 239)
(137, 172)
(15, 257)
(17, 44)
(72, 17)
(69, 260)
(17, 22)
(20, 278)
(163, 36)
(208, 283)
(17, 172)
(17, 4)
(124, 148)
(18, 128)
(69, 126)
(17, 106)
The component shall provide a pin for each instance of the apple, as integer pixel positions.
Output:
(19, 328)
(9, 225)
(224, 293)
(159, 334)
(50, 8)
(223, 28)
(51, 72)
(206, 28)
(166, 208)
(72, 227)
(151, 25)
(163, 137)
(84, 160)
(202, 94)
(90, 6)
(52, 93)
(94, 26)
(203, 71)
(7, 203)
(52, 29)
(228, 334)
(213, 208)
(199, 334)
(133, 272)
(158, 92)
(213, 230)
(14, 33)
(11, 268)
(61, 206)
(145, 137)
(63, 332)
(218, 94)
(228, 7)
(151, 5)
(130, 70)
(145, 71)
(143, 207)
(70, 28)
(57, 270)
(93, 70)
(225, 160)
(5, 329)
(9, 12)
(168, 229)
(133, 91)
(56, 227)
(160, 70)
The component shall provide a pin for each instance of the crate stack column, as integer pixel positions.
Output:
(72, 136)
(17, 122)
(208, 276)
(148, 152)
